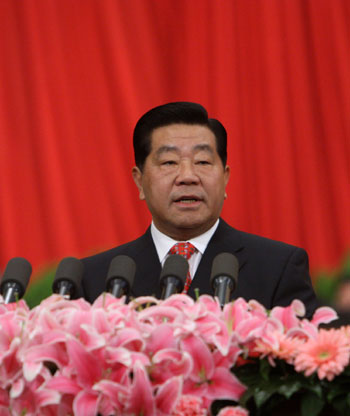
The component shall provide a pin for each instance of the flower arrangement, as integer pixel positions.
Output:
(175, 357)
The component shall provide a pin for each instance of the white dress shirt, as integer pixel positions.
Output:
(164, 243)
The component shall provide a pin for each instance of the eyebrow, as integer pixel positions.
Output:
(196, 148)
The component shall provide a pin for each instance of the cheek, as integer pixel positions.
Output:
(156, 188)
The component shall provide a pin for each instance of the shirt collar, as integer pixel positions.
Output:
(164, 243)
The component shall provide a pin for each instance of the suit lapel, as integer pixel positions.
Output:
(225, 239)
(148, 267)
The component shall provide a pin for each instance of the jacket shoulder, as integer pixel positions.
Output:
(96, 266)
(256, 243)
(130, 248)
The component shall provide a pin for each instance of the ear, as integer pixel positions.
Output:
(137, 176)
(227, 174)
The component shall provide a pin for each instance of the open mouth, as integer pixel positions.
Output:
(187, 200)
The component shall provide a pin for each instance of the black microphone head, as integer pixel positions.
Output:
(121, 267)
(18, 270)
(224, 264)
(69, 270)
(174, 266)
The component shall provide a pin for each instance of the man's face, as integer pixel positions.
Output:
(183, 180)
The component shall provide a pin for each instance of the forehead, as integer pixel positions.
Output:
(182, 135)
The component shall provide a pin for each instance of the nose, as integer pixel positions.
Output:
(186, 174)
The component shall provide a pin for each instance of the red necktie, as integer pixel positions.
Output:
(186, 250)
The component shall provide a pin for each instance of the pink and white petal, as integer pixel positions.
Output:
(324, 315)
(86, 403)
(257, 308)
(118, 355)
(179, 301)
(39, 353)
(100, 321)
(191, 387)
(141, 400)
(115, 391)
(161, 337)
(113, 396)
(31, 369)
(64, 385)
(222, 339)
(286, 315)
(54, 336)
(168, 395)
(46, 397)
(139, 358)
(17, 388)
(236, 312)
(249, 328)
(160, 313)
(225, 385)
(210, 304)
(107, 299)
(203, 363)
(169, 363)
(309, 328)
(298, 307)
(129, 338)
(90, 338)
(86, 364)
(229, 359)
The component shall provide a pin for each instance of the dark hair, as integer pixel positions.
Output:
(175, 113)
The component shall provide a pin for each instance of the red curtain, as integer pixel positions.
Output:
(76, 75)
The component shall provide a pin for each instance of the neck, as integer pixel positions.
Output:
(184, 234)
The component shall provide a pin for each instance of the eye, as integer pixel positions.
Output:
(168, 162)
(203, 162)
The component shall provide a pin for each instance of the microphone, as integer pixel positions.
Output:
(120, 275)
(173, 275)
(15, 279)
(224, 275)
(68, 277)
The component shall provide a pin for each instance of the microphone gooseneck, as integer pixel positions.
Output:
(224, 276)
(68, 277)
(173, 275)
(15, 279)
(120, 275)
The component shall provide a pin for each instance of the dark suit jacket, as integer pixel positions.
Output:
(272, 272)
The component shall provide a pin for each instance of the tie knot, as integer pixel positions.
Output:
(184, 249)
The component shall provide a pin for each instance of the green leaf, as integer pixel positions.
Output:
(342, 405)
(264, 369)
(313, 388)
(261, 396)
(311, 404)
(336, 391)
(287, 390)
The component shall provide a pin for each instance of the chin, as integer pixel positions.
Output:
(192, 225)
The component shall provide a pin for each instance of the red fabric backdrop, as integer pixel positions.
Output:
(76, 75)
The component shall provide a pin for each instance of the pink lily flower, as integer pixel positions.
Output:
(289, 316)
(168, 363)
(81, 378)
(167, 396)
(161, 337)
(206, 379)
(33, 396)
(141, 401)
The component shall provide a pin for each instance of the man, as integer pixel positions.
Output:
(181, 173)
